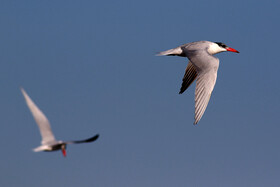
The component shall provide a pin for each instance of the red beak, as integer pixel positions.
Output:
(232, 50)
(63, 152)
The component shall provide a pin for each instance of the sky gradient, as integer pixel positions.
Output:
(90, 66)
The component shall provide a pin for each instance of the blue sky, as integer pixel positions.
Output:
(91, 67)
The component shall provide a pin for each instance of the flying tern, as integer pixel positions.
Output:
(49, 143)
(203, 67)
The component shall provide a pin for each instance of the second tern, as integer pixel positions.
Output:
(49, 143)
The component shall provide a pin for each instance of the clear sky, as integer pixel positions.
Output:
(91, 67)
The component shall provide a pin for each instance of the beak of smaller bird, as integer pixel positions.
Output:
(232, 50)
(63, 151)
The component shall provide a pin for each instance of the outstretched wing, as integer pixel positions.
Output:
(41, 120)
(204, 86)
(189, 77)
(92, 139)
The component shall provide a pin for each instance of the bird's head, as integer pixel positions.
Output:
(218, 47)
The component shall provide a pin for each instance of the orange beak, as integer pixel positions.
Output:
(232, 50)
(63, 152)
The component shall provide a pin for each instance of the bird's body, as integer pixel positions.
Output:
(203, 67)
(49, 143)
(50, 147)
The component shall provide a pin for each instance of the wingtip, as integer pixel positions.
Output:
(181, 90)
(95, 137)
(23, 91)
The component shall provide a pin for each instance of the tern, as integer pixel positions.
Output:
(203, 67)
(49, 143)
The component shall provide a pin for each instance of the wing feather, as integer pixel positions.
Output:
(204, 86)
(92, 139)
(41, 120)
(189, 77)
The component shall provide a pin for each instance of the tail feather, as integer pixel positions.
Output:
(41, 148)
(171, 52)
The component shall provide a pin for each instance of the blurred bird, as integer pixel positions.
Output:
(49, 143)
(202, 66)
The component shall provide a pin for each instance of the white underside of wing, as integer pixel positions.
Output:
(41, 120)
(206, 67)
(204, 86)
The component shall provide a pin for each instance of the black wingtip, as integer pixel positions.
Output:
(182, 90)
(93, 138)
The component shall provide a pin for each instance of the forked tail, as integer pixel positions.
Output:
(171, 52)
